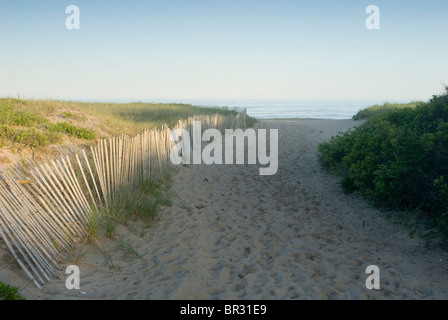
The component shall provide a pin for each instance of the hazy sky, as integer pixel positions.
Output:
(223, 49)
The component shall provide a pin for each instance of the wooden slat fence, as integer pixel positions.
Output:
(44, 210)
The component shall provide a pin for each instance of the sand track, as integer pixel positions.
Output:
(233, 234)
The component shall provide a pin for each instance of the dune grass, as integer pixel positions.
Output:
(377, 109)
(398, 159)
(139, 203)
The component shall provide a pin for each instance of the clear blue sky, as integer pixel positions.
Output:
(223, 49)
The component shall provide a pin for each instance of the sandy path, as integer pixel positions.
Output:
(232, 234)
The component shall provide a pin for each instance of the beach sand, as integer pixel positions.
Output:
(233, 234)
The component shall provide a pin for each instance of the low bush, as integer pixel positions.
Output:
(81, 133)
(398, 159)
(29, 137)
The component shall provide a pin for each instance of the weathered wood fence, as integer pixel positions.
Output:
(44, 210)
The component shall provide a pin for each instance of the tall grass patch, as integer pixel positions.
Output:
(384, 108)
(141, 202)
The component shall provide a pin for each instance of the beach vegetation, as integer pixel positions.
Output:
(129, 249)
(8, 292)
(376, 110)
(92, 225)
(138, 203)
(81, 133)
(398, 159)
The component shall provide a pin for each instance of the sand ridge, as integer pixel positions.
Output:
(233, 234)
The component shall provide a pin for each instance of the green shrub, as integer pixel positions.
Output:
(81, 133)
(398, 159)
(6, 111)
(30, 137)
(9, 116)
(68, 114)
(26, 119)
(8, 292)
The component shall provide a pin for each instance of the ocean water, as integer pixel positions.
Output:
(281, 109)
(287, 109)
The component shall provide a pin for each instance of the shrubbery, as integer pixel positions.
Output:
(8, 292)
(30, 137)
(9, 116)
(398, 158)
(381, 109)
(81, 133)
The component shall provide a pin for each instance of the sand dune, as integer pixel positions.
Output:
(233, 234)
